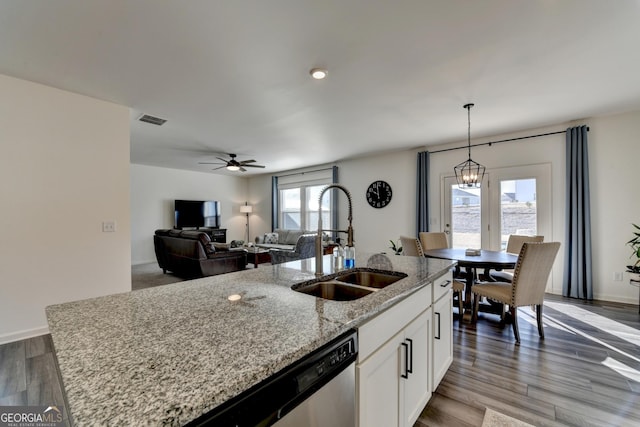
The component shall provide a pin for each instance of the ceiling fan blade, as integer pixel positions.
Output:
(247, 161)
(254, 166)
(242, 169)
(215, 169)
(224, 160)
(210, 163)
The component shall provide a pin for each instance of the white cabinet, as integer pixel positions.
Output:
(442, 329)
(393, 373)
(403, 353)
(415, 387)
(394, 382)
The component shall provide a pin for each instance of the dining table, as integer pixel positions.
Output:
(485, 259)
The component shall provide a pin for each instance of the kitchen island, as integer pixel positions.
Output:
(166, 355)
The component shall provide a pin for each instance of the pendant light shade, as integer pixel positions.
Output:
(469, 174)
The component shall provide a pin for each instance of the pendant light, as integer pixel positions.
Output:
(469, 174)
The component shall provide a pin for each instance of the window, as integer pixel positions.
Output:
(298, 201)
(518, 202)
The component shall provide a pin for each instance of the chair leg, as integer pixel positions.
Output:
(514, 314)
(539, 317)
(460, 307)
(502, 313)
(476, 306)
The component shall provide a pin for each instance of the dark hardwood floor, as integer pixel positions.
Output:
(586, 372)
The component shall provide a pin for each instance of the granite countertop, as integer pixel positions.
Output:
(166, 355)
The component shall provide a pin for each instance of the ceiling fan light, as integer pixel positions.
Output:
(233, 168)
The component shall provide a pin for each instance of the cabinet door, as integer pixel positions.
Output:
(442, 337)
(416, 389)
(377, 380)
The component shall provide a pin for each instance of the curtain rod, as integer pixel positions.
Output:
(498, 142)
(302, 173)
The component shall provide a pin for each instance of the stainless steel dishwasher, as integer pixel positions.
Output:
(315, 391)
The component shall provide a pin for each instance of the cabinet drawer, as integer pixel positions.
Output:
(385, 325)
(442, 285)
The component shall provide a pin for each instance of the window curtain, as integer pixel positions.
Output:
(422, 193)
(274, 202)
(578, 280)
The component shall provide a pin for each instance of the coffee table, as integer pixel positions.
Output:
(258, 256)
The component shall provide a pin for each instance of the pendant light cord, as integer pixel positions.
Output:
(469, 129)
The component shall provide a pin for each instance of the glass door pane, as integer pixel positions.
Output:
(518, 208)
(463, 215)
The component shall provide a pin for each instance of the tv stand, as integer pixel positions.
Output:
(218, 235)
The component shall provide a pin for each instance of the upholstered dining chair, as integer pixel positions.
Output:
(529, 281)
(433, 240)
(412, 247)
(514, 244)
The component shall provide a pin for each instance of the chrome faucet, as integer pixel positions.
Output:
(349, 230)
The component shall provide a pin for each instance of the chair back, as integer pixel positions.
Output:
(514, 244)
(433, 240)
(532, 272)
(411, 246)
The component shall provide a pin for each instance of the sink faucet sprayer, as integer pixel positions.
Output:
(349, 230)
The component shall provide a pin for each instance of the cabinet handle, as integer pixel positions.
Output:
(406, 360)
(410, 369)
(438, 336)
(445, 283)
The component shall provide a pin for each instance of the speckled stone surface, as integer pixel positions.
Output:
(166, 355)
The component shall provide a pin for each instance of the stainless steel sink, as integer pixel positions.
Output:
(348, 286)
(334, 290)
(371, 279)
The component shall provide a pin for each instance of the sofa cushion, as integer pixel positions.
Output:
(292, 237)
(174, 232)
(203, 238)
(271, 238)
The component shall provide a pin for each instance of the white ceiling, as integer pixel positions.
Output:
(233, 76)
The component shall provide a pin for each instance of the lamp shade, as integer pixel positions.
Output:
(246, 209)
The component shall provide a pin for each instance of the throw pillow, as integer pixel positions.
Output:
(271, 238)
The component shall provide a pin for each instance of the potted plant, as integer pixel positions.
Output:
(634, 269)
(397, 249)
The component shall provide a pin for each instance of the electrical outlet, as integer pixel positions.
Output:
(617, 276)
(108, 226)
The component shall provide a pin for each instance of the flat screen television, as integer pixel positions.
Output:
(197, 213)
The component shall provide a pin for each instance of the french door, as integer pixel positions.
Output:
(515, 200)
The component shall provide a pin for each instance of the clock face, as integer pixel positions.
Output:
(379, 194)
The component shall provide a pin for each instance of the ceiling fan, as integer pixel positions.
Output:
(232, 164)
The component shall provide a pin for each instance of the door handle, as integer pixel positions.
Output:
(445, 283)
(406, 360)
(410, 369)
(438, 336)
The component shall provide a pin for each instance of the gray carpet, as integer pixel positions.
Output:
(150, 275)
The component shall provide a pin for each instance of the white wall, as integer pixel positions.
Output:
(153, 190)
(373, 228)
(64, 169)
(614, 150)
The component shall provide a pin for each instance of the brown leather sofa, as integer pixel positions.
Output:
(191, 254)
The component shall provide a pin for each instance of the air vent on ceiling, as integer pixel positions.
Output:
(151, 119)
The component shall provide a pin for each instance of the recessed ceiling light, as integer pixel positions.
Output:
(318, 73)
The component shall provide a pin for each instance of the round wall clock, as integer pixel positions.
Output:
(379, 194)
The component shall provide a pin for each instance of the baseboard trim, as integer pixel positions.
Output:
(22, 335)
(138, 262)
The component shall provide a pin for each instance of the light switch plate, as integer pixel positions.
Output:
(108, 226)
